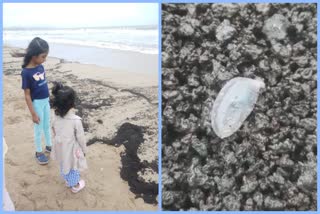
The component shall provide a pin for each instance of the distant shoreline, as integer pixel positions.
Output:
(122, 60)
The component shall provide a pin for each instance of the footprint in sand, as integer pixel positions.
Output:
(13, 120)
(24, 184)
(19, 106)
(30, 171)
(59, 203)
(11, 163)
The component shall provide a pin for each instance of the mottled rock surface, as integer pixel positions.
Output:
(270, 162)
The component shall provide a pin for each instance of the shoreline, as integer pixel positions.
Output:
(131, 61)
(109, 100)
(136, 79)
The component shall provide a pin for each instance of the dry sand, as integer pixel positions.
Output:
(108, 99)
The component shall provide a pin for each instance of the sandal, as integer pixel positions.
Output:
(81, 183)
(48, 149)
(41, 159)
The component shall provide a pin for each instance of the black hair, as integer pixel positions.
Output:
(64, 98)
(36, 47)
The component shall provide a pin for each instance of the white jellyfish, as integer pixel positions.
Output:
(233, 105)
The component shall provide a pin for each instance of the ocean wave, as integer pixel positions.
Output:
(107, 45)
(136, 40)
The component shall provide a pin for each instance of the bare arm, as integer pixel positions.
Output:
(28, 99)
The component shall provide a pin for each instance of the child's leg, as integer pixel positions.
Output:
(72, 178)
(46, 123)
(38, 127)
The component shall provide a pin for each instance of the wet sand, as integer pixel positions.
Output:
(111, 58)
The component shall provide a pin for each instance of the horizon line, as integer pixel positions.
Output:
(84, 27)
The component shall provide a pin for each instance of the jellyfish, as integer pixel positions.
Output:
(233, 105)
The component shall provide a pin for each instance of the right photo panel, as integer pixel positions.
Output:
(239, 107)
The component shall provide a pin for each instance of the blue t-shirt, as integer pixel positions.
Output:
(35, 80)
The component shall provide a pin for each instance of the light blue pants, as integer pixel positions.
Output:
(42, 109)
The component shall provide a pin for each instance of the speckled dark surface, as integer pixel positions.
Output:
(270, 162)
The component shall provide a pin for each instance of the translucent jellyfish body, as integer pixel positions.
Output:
(233, 105)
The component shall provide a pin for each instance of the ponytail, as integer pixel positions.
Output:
(56, 87)
(63, 99)
(26, 60)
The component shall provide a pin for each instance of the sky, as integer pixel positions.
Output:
(72, 15)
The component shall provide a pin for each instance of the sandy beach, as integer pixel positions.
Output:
(119, 111)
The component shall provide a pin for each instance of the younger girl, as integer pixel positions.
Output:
(34, 84)
(69, 145)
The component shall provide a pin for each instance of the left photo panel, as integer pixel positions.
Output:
(80, 106)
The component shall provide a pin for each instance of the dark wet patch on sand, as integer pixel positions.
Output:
(131, 136)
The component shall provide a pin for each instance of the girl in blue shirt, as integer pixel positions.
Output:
(36, 91)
